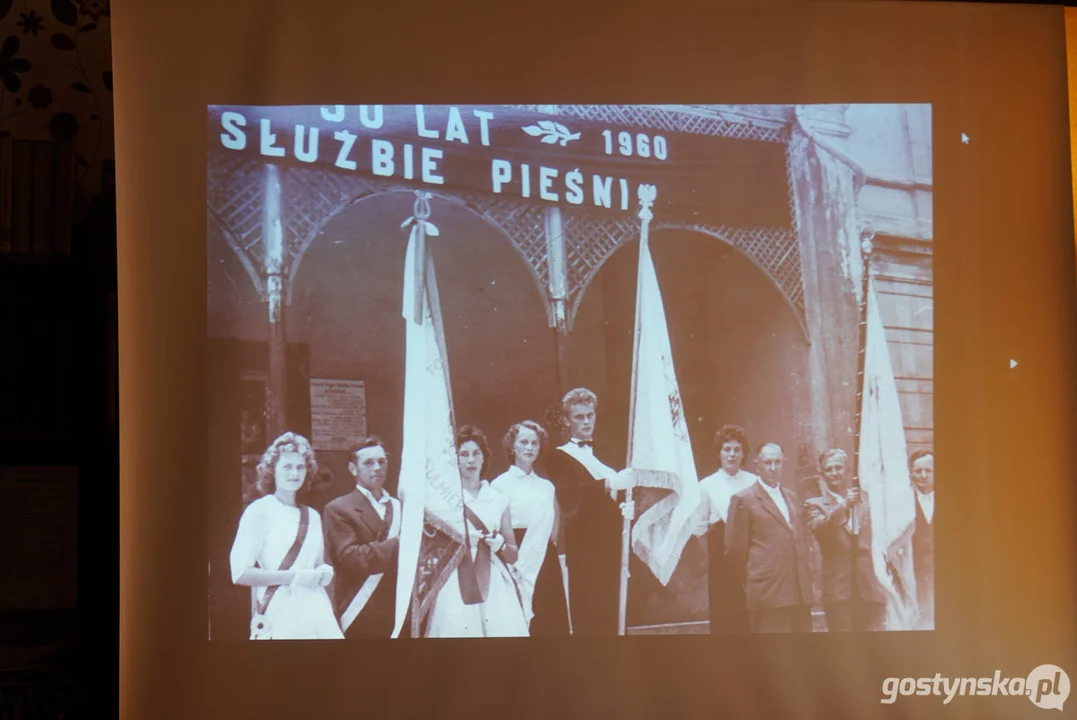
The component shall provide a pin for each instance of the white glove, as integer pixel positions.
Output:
(624, 480)
(496, 542)
(325, 574)
(628, 510)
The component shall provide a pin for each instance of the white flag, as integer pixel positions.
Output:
(429, 473)
(884, 473)
(659, 448)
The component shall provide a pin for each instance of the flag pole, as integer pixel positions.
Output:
(866, 248)
(419, 301)
(646, 194)
(421, 214)
(899, 597)
(855, 511)
(426, 290)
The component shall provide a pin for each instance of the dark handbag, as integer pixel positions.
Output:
(259, 624)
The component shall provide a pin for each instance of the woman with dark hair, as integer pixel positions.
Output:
(278, 550)
(533, 508)
(480, 598)
(728, 611)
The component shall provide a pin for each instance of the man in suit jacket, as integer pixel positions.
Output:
(590, 518)
(361, 541)
(922, 470)
(840, 519)
(766, 540)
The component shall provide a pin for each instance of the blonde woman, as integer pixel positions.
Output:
(533, 508)
(278, 550)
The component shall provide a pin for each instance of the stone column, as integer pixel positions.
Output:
(558, 267)
(273, 237)
(825, 183)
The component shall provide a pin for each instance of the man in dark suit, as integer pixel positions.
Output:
(361, 541)
(766, 540)
(591, 520)
(840, 519)
(922, 470)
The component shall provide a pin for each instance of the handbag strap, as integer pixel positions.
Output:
(289, 558)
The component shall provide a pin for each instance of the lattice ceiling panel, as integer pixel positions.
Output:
(311, 198)
(525, 226)
(234, 190)
(775, 250)
(590, 238)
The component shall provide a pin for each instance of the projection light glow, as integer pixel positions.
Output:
(564, 370)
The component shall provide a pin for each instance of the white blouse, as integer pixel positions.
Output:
(532, 505)
(267, 529)
(531, 497)
(488, 505)
(718, 490)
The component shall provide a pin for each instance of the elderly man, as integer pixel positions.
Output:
(362, 532)
(839, 517)
(767, 543)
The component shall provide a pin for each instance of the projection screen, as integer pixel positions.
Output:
(620, 338)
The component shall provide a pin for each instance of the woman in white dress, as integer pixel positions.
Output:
(480, 597)
(728, 611)
(533, 507)
(278, 550)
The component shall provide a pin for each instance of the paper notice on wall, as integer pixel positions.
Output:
(337, 413)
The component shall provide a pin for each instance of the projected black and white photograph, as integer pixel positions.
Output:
(569, 370)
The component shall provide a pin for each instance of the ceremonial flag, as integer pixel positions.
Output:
(884, 473)
(659, 448)
(429, 487)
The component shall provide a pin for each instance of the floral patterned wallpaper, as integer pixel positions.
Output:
(56, 80)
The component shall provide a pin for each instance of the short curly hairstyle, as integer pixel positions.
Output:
(733, 433)
(470, 433)
(287, 443)
(509, 441)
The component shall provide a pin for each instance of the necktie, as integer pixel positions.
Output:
(388, 521)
